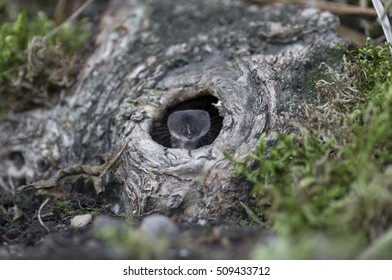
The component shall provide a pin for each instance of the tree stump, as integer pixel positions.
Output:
(248, 66)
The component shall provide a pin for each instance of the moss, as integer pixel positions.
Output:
(64, 210)
(314, 74)
(313, 245)
(380, 249)
(333, 179)
(33, 60)
(371, 66)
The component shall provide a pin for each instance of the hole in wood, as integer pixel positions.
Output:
(183, 125)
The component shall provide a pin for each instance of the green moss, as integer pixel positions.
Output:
(380, 249)
(29, 57)
(314, 74)
(64, 210)
(312, 245)
(333, 179)
(371, 67)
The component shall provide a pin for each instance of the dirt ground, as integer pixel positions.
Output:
(22, 236)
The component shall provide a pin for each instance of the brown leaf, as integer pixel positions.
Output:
(54, 192)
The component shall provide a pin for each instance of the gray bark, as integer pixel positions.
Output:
(150, 57)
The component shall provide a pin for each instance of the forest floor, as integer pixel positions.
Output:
(108, 235)
(29, 232)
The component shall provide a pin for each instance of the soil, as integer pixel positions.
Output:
(23, 237)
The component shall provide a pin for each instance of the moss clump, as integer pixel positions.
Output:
(64, 210)
(333, 180)
(33, 61)
(371, 66)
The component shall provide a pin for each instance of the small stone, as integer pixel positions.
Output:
(81, 220)
(158, 227)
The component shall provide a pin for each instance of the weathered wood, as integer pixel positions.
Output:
(152, 56)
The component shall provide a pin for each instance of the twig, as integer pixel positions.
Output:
(105, 167)
(336, 8)
(252, 215)
(72, 17)
(39, 214)
(384, 21)
(340, 9)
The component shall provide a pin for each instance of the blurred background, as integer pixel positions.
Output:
(358, 17)
(58, 10)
